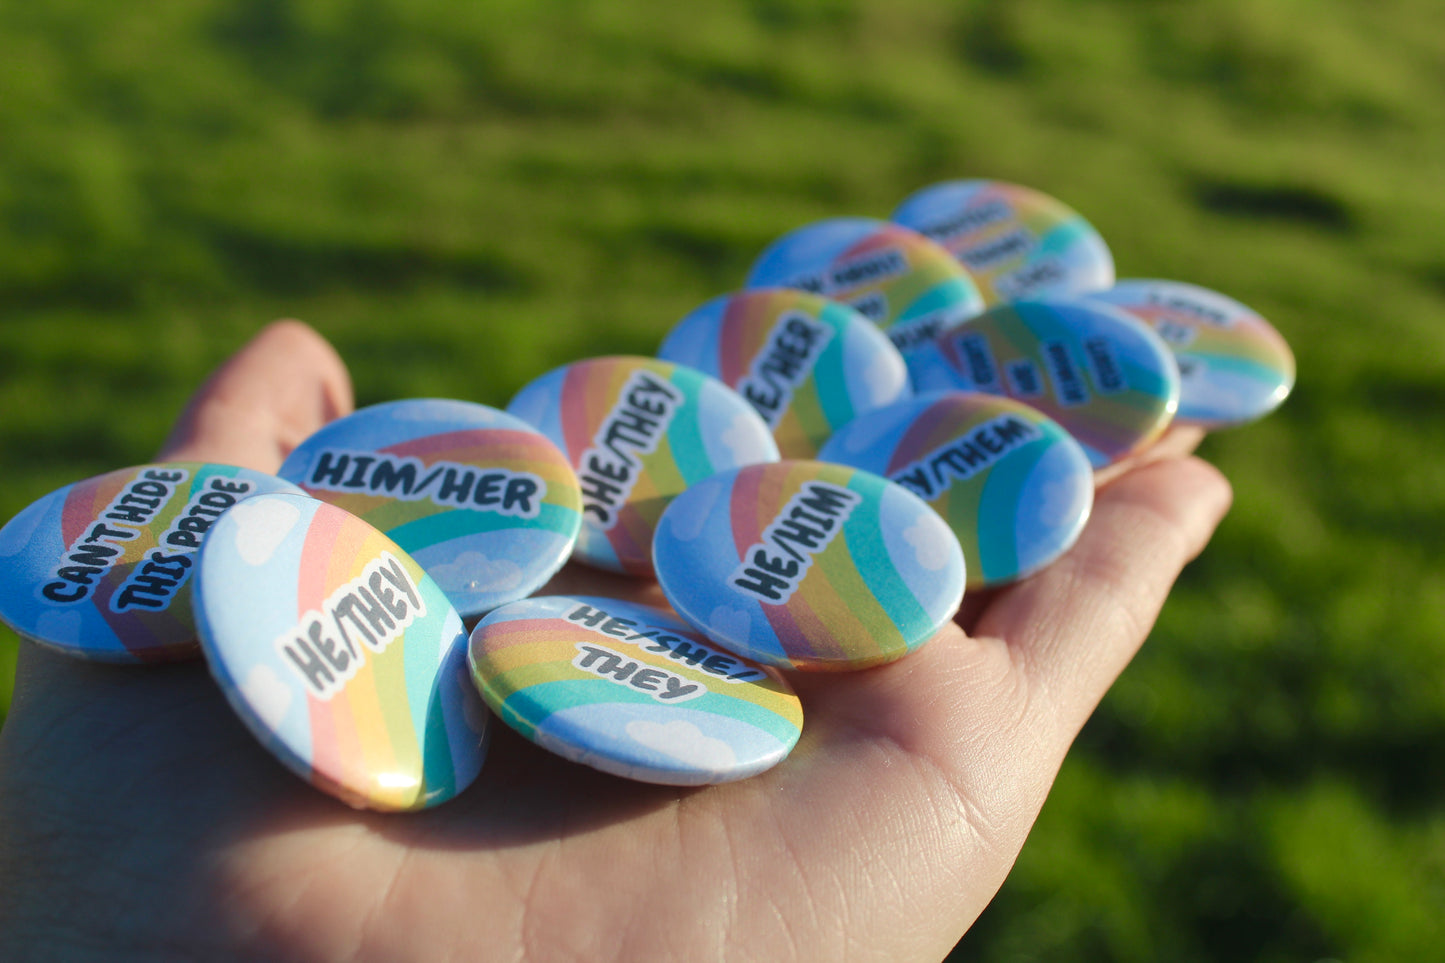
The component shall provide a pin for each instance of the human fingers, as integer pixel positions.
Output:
(1074, 626)
(263, 401)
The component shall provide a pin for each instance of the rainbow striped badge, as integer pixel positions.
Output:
(807, 365)
(1012, 484)
(906, 284)
(103, 568)
(1103, 375)
(1234, 367)
(631, 690)
(339, 653)
(637, 431)
(481, 499)
(807, 565)
(1018, 243)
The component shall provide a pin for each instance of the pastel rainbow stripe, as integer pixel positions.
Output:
(34, 543)
(879, 589)
(1014, 516)
(509, 555)
(711, 430)
(932, 294)
(406, 731)
(1017, 242)
(857, 371)
(1110, 425)
(1234, 367)
(522, 658)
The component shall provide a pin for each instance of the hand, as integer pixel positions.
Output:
(139, 818)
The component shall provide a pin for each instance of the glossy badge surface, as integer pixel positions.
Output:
(1234, 366)
(898, 279)
(339, 653)
(630, 690)
(807, 365)
(1104, 376)
(1014, 486)
(486, 504)
(102, 569)
(1017, 242)
(805, 565)
(637, 431)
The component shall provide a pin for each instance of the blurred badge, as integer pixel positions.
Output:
(638, 431)
(801, 564)
(630, 690)
(1014, 486)
(339, 653)
(1234, 367)
(807, 365)
(486, 504)
(1103, 375)
(898, 279)
(102, 568)
(1018, 242)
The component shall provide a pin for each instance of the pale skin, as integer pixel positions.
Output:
(139, 819)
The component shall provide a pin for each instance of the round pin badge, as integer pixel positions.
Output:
(806, 565)
(806, 364)
(484, 501)
(638, 431)
(630, 690)
(1017, 242)
(1106, 377)
(900, 280)
(1014, 486)
(340, 654)
(102, 569)
(1234, 367)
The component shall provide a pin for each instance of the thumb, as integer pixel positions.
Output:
(263, 401)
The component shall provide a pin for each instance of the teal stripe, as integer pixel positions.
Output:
(423, 682)
(1045, 324)
(998, 508)
(684, 434)
(1139, 381)
(438, 774)
(863, 533)
(445, 526)
(951, 293)
(830, 380)
(1062, 236)
(570, 693)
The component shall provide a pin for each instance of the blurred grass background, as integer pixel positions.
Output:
(461, 196)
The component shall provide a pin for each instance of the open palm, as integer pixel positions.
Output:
(138, 817)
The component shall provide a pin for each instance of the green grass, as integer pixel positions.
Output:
(463, 195)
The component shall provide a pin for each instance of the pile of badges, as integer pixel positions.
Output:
(813, 469)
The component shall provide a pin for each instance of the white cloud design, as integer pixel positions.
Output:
(687, 526)
(742, 437)
(475, 572)
(441, 409)
(531, 404)
(730, 623)
(929, 542)
(15, 536)
(262, 524)
(59, 624)
(267, 695)
(883, 377)
(684, 742)
(1060, 503)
